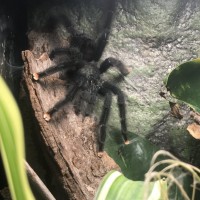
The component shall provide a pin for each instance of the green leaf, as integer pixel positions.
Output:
(12, 145)
(116, 186)
(184, 83)
(134, 159)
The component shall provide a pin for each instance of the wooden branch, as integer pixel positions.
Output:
(70, 139)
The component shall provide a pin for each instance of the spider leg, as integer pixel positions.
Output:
(100, 43)
(112, 62)
(90, 105)
(58, 51)
(51, 70)
(84, 103)
(80, 103)
(71, 52)
(122, 108)
(103, 38)
(69, 97)
(104, 119)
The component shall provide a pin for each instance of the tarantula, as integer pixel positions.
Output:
(86, 84)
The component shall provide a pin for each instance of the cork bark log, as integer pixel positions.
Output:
(70, 139)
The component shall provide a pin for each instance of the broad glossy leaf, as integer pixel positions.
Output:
(134, 159)
(184, 83)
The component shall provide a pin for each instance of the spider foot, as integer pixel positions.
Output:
(100, 148)
(127, 142)
(35, 76)
(100, 154)
(47, 117)
(127, 70)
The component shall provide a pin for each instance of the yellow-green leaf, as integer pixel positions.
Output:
(12, 145)
(116, 186)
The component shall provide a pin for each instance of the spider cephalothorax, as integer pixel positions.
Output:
(86, 84)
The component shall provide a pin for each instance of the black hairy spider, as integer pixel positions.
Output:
(87, 84)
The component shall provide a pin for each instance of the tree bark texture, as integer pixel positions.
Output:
(70, 138)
